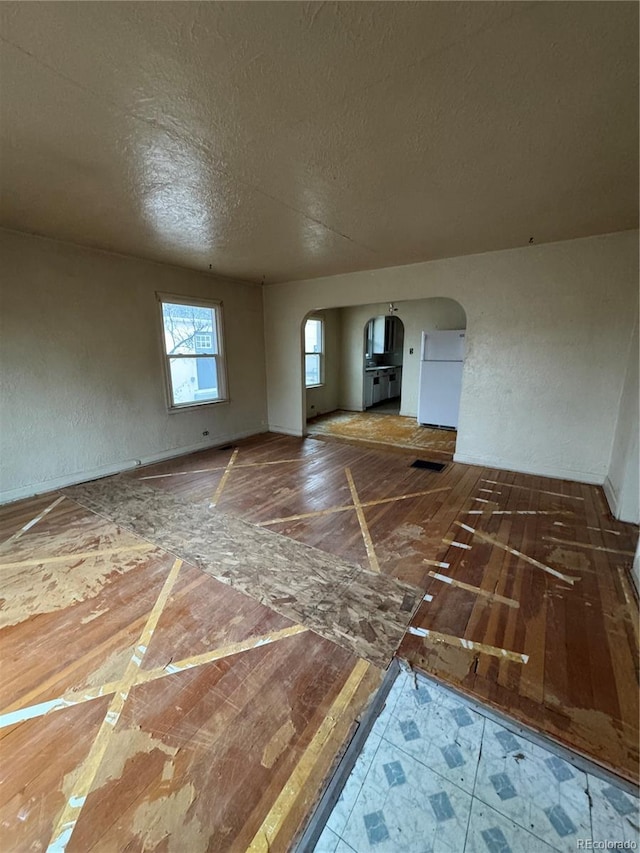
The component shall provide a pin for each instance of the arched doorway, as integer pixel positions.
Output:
(382, 363)
(344, 406)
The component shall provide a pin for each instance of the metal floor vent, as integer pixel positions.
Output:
(431, 466)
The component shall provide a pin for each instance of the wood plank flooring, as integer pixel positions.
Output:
(363, 611)
(146, 704)
(225, 700)
(576, 614)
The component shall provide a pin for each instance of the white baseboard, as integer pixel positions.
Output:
(118, 467)
(635, 571)
(537, 470)
(611, 495)
(285, 431)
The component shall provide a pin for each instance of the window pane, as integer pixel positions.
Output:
(313, 336)
(312, 369)
(194, 380)
(188, 329)
(203, 342)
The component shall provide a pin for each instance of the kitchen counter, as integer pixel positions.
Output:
(380, 367)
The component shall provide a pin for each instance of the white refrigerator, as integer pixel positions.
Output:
(441, 361)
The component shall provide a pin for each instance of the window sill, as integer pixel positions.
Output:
(319, 385)
(187, 407)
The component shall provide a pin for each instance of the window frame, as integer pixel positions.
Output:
(218, 357)
(319, 319)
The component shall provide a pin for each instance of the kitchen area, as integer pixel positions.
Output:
(383, 353)
(375, 365)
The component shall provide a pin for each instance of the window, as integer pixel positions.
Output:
(193, 353)
(204, 343)
(313, 344)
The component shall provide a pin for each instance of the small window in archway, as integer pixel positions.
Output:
(313, 351)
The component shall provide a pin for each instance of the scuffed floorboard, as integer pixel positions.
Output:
(146, 705)
(365, 613)
(529, 605)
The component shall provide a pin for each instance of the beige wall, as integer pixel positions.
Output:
(622, 484)
(82, 385)
(544, 390)
(548, 330)
(416, 315)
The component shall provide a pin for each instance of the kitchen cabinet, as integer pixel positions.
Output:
(376, 390)
(395, 382)
(368, 390)
(391, 334)
(380, 387)
(384, 385)
(384, 334)
(381, 384)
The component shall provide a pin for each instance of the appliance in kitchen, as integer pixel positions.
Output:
(441, 361)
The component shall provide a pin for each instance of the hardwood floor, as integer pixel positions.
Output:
(147, 704)
(570, 609)
(129, 721)
(367, 613)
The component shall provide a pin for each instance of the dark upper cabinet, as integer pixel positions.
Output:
(384, 334)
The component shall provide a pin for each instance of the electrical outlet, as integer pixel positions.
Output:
(206, 432)
(410, 350)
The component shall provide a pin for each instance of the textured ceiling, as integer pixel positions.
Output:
(280, 141)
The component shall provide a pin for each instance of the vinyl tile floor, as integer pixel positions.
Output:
(436, 775)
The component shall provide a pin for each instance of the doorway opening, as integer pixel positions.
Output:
(370, 388)
(382, 363)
